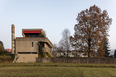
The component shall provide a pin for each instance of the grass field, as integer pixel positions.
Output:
(57, 70)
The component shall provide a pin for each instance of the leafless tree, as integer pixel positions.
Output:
(65, 41)
(54, 50)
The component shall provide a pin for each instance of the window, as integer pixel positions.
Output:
(23, 52)
(32, 44)
(42, 44)
(27, 52)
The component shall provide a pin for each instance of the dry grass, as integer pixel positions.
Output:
(56, 70)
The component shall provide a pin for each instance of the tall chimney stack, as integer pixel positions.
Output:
(13, 38)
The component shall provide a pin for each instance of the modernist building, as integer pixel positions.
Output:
(28, 47)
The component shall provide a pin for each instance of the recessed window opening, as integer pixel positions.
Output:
(27, 52)
(42, 44)
(32, 34)
(32, 44)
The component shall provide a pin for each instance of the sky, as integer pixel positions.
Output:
(53, 16)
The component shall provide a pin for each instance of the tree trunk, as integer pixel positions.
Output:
(89, 46)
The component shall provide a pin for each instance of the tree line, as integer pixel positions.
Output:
(90, 36)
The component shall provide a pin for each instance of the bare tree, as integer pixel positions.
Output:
(92, 26)
(54, 49)
(65, 41)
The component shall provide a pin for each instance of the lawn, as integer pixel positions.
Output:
(57, 70)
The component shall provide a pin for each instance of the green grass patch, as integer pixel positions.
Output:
(57, 70)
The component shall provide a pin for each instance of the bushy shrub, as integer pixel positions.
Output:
(4, 53)
(42, 54)
(5, 56)
(8, 58)
(50, 55)
(39, 55)
(1, 48)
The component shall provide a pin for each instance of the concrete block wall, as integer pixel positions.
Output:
(25, 44)
(26, 58)
(77, 60)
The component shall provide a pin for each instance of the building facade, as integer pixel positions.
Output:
(30, 45)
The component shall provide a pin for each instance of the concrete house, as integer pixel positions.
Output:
(27, 47)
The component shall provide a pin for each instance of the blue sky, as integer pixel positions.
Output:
(53, 16)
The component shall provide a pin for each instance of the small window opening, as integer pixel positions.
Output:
(42, 44)
(32, 44)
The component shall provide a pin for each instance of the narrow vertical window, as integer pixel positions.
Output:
(32, 44)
